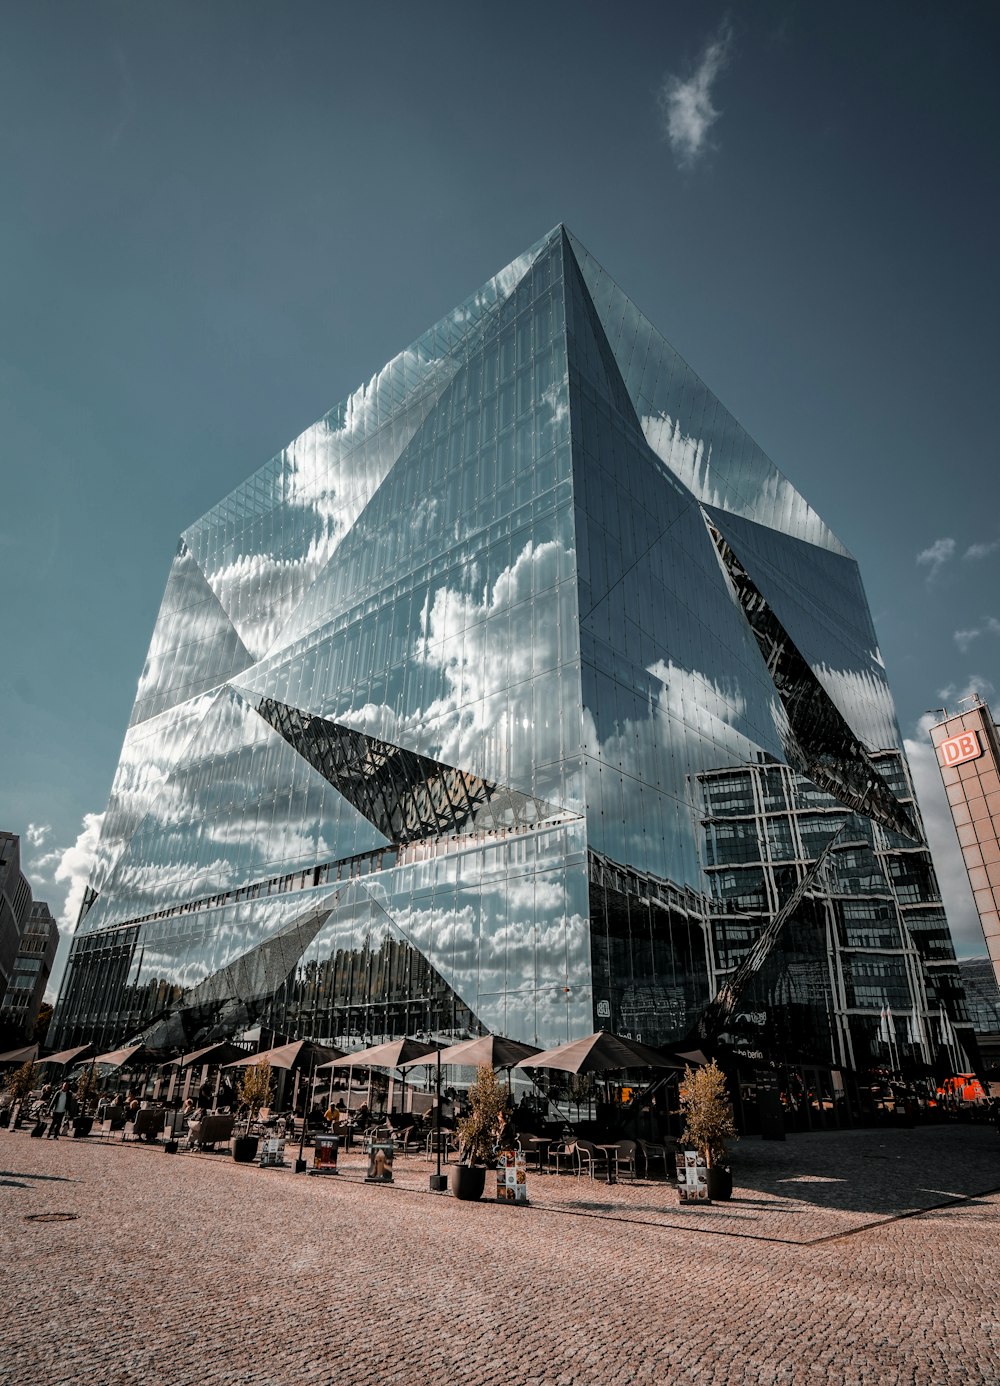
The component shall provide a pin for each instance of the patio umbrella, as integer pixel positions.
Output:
(492, 1050)
(298, 1054)
(129, 1057)
(600, 1053)
(222, 1052)
(391, 1055)
(394, 1054)
(697, 1057)
(25, 1055)
(67, 1056)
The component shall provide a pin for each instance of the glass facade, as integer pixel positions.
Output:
(521, 693)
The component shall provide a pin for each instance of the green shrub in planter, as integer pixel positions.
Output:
(708, 1117)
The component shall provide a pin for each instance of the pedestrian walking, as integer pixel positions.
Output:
(61, 1106)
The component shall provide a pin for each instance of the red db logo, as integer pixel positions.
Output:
(959, 748)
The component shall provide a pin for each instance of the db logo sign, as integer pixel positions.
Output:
(959, 748)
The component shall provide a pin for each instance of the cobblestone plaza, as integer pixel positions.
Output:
(850, 1257)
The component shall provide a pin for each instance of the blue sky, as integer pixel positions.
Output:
(219, 218)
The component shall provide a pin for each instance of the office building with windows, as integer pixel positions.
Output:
(15, 905)
(967, 746)
(32, 967)
(520, 693)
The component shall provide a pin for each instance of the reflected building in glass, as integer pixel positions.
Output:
(521, 693)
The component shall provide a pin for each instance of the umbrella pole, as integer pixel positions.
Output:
(438, 1181)
(300, 1163)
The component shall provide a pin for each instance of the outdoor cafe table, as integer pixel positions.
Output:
(610, 1152)
(538, 1148)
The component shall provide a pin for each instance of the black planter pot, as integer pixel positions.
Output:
(170, 1147)
(244, 1149)
(468, 1182)
(82, 1126)
(720, 1183)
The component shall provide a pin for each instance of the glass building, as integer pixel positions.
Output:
(521, 693)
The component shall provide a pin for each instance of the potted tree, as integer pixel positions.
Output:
(708, 1118)
(477, 1136)
(256, 1090)
(86, 1094)
(19, 1084)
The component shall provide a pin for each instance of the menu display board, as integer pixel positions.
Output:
(692, 1177)
(272, 1151)
(512, 1177)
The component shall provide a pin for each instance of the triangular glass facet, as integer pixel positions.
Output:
(688, 428)
(194, 645)
(819, 742)
(269, 813)
(408, 797)
(263, 547)
(811, 591)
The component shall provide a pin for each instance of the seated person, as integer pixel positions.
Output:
(195, 1121)
(506, 1130)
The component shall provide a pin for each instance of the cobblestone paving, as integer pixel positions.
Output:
(192, 1269)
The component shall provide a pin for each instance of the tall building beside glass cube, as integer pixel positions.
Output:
(521, 693)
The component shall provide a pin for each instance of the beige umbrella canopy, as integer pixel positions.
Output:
(298, 1054)
(65, 1057)
(692, 1056)
(600, 1053)
(492, 1050)
(222, 1052)
(25, 1055)
(129, 1057)
(391, 1055)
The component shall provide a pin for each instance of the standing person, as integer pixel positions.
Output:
(61, 1106)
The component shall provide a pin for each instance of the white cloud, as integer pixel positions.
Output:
(37, 833)
(74, 866)
(686, 110)
(935, 557)
(70, 867)
(977, 551)
(963, 918)
(964, 638)
(975, 686)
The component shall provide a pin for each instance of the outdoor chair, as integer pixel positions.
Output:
(591, 1158)
(627, 1151)
(215, 1127)
(652, 1151)
(146, 1125)
(407, 1139)
(449, 1143)
(567, 1153)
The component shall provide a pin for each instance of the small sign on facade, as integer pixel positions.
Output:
(692, 1177)
(965, 746)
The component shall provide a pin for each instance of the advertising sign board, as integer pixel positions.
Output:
(965, 746)
(692, 1177)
